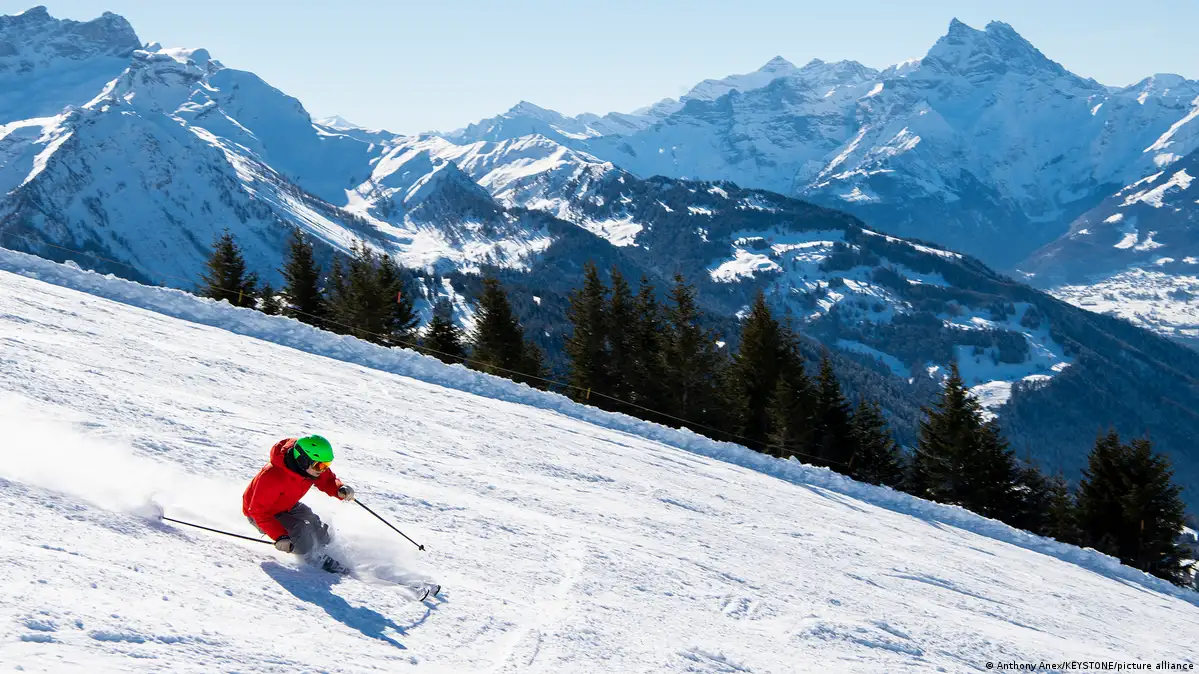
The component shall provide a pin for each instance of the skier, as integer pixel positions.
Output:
(272, 501)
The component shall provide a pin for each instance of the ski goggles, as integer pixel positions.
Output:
(320, 466)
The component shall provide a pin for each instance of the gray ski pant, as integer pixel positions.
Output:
(307, 532)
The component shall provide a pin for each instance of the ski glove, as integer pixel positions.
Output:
(284, 544)
(345, 493)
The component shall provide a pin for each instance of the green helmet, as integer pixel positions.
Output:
(315, 447)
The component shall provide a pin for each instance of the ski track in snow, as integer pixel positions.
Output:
(567, 539)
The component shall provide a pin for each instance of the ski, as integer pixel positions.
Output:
(430, 590)
(330, 565)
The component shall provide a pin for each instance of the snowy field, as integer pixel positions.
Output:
(567, 540)
(1154, 300)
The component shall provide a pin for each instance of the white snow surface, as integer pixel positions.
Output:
(621, 232)
(743, 265)
(924, 249)
(1155, 300)
(1180, 180)
(567, 539)
(338, 123)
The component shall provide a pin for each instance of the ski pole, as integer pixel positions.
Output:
(216, 531)
(418, 545)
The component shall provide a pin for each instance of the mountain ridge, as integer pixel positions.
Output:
(917, 144)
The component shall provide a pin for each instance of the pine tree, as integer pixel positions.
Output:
(1129, 507)
(1062, 519)
(302, 281)
(226, 278)
(443, 339)
(268, 302)
(355, 299)
(1156, 503)
(726, 407)
(1032, 500)
(878, 459)
(962, 459)
(587, 346)
(361, 307)
(691, 360)
(398, 317)
(367, 298)
(337, 295)
(648, 386)
(620, 328)
(1100, 494)
(993, 477)
(497, 341)
(532, 366)
(792, 406)
(832, 419)
(755, 372)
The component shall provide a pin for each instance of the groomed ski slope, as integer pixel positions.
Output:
(568, 540)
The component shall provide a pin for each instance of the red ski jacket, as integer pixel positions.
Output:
(277, 488)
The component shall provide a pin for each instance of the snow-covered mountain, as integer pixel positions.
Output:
(159, 161)
(526, 118)
(338, 122)
(1136, 255)
(985, 144)
(567, 539)
(170, 147)
(47, 64)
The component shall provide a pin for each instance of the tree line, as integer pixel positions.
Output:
(368, 295)
(634, 353)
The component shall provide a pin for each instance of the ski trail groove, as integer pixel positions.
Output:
(547, 612)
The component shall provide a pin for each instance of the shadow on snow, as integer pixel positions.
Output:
(317, 588)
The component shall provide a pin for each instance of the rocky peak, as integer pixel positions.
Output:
(30, 17)
(776, 65)
(34, 36)
(527, 109)
(444, 191)
(840, 71)
(992, 52)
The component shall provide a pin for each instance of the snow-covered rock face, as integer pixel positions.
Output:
(526, 118)
(155, 164)
(985, 144)
(439, 218)
(34, 39)
(338, 123)
(47, 64)
(988, 146)
(529, 172)
(982, 55)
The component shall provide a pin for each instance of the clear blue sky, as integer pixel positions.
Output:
(439, 64)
